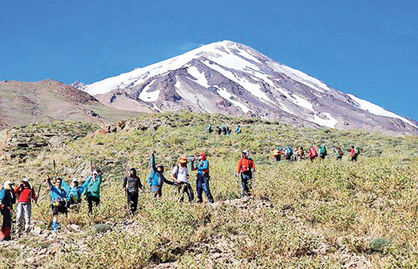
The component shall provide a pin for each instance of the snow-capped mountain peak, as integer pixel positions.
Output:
(228, 77)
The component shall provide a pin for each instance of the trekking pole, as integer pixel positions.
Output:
(55, 168)
(39, 194)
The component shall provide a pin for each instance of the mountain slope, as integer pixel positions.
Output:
(23, 103)
(231, 78)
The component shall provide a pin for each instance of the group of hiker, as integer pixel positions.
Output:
(224, 130)
(65, 197)
(298, 153)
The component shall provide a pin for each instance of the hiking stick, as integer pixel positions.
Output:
(39, 194)
(55, 168)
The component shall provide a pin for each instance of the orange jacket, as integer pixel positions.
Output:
(245, 165)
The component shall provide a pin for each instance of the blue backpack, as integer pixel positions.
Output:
(289, 150)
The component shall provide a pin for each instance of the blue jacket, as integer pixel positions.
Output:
(202, 167)
(238, 130)
(156, 178)
(57, 195)
(7, 197)
(75, 192)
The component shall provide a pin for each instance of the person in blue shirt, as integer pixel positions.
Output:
(75, 191)
(58, 200)
(7, 199)
(156, 179)
(238, 130)
(203, 177)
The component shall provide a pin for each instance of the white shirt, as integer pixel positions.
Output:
(182, 173)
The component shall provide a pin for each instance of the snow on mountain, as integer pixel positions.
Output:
(228, 77)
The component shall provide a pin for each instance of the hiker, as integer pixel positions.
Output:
(228, 131)
(156, 179)
(210, 130)
(277, 155)
(322, 152)
(75, 191)
(131, 186)
(338, 152)
(288, 153)
(238, 130)
(355, 151)
(295, 155)
(218, 130)
(92, 189)
(313, 153)
(203, 177)
(301, 153)
(181, 176)
(224, 130)
(7, 199)
(245, 171)
(58, 200)
(25, 194)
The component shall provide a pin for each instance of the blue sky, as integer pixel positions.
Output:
(368, 48)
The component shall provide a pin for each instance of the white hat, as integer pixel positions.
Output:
(7, 185)
(95, 172)
(75, 180)
(25, 179)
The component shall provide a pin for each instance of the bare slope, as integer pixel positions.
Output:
(46, 101)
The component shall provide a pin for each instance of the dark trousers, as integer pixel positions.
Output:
(132, 201)
(183, 188)
(90, 200)
(354, 158)
(7, 224)
(202, 185)
(246, 183)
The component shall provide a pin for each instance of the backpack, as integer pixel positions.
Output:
(340, 152)
(289, 150)
(357, 150)
(313, 152)
(323, 150)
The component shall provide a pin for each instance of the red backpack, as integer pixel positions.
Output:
(313, 153)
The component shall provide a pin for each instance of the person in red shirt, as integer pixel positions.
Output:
(313, 153)
(25, 194)
(353, 154)
(245, 171)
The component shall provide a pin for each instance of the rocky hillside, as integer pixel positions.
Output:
(231, 78)
(46, 101)
(334, 214)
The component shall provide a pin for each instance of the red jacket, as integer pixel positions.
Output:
(25, 194)
(245, 165)
(353, 151)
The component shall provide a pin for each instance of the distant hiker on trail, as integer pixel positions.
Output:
(224, 130)
(295, 156)
(203, 177)
(156, 179)
(238, 130)
(181, 176)
(338, 152)
(355, 151)
(245, 170)
(277, 154)
(92, 190)
(58, 200)
(288, 153)
(322, 152)
(301, 153)
(209, 129)
(313, 153)
(7, 199)
(131, 186)
(228, 131)
(218, 130)
(75, 191)
(25, 194)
